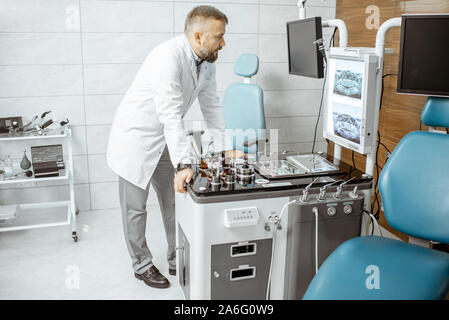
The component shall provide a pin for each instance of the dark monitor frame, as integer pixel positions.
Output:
(399, 88)
(319, 56)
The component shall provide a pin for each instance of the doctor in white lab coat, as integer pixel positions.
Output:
(147, 143)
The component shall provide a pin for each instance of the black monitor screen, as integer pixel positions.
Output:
(304, 58)
(423, 64)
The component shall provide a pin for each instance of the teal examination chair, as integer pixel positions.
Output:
(414, 186)
(243, 107)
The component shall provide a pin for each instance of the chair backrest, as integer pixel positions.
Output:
(414, 185)
(436, 112)
(243, 104)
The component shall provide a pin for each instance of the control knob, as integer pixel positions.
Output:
(347, 209)
(331, 211)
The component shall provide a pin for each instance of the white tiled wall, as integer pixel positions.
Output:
(78, 58)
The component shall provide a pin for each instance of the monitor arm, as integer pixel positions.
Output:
(302, 8)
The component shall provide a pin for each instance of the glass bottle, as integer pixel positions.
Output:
(7, 167)
(25, 164)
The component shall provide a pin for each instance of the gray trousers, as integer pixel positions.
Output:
(134, 214)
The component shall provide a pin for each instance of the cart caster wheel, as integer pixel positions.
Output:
(75, 236)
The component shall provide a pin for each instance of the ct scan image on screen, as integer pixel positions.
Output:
(347, 121)
(348, 79)
(345, 99)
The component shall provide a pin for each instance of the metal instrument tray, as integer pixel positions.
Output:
(272, 169)
(313, 163)
(295, 166)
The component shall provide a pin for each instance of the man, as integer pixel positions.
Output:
(148, 143)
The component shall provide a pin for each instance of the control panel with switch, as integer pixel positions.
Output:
(241, 217)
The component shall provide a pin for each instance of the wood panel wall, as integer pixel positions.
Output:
(400, 114)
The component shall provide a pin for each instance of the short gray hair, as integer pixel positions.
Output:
(203, 12)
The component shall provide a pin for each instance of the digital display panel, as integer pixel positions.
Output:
(345, 106)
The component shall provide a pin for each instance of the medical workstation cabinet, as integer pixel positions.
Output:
(264, 238)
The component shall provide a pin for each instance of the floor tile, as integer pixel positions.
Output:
(46, 263)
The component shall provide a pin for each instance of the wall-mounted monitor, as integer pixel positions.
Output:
(351, 96)
(304, 58)
(423, 65)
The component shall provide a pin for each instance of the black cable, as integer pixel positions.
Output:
(379, 143)
(376, 200)
(382, 90)
(353, 160)
(376, 191)
(319, 111)
(322, 93)
(389, 74)
(386, 148)
(353, 168)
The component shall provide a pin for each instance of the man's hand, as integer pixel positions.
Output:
(184, 175)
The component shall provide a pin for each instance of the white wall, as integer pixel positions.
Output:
(78, 58)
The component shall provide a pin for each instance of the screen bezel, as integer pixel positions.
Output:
(399, 88)
(319, 34)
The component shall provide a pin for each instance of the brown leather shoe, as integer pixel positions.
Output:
(153, 278)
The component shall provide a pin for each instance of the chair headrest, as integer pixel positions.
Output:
(413, 186)
(246, 65)
(436, 112)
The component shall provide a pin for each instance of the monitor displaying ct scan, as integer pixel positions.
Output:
(349, 115)
(347, 104)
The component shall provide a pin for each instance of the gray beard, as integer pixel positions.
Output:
(208, 56)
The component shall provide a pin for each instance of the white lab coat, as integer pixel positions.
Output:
(150, 115)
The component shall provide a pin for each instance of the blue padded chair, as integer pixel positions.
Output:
(436, 112)
(243, 105)
(414, 186)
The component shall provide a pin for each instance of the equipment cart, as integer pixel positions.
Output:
(41, 214)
